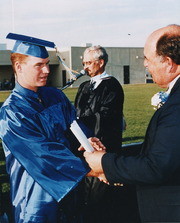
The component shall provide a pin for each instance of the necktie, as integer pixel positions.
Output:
(39, 99)
(91, 86)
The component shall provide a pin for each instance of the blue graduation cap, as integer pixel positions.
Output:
(30, 46)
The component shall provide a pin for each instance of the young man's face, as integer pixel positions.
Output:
(33, 72)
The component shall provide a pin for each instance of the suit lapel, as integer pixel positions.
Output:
(151, 130)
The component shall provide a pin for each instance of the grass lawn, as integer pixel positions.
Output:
(138, 110)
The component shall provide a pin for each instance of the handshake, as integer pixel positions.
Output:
(94, 151)
(94, 160)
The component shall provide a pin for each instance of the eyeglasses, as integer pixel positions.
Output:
(88, 63)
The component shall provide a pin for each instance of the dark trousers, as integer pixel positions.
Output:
(109, 204)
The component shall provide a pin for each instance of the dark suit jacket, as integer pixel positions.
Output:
(156, 170)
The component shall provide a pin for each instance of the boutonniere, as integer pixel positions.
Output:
(159, 99)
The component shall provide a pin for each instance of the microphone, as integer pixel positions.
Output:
(69, 83)
(82, 73)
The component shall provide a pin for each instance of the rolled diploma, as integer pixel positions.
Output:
(81, 136)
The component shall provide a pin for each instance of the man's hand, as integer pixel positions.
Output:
(96, 144)
(97, 154)
(94, 161)
(98, 175)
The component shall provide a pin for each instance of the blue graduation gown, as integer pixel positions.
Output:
(41, 166)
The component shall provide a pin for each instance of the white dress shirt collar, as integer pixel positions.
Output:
(172, 83)
(98, 78)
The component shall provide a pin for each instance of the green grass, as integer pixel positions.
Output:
(138, 110)
(3, 95)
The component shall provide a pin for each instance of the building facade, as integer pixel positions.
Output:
(126, 64)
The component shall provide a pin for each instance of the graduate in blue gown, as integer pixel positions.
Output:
(34, 128)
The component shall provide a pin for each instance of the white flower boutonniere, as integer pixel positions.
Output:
(159, 99)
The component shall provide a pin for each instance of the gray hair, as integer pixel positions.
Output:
(98, 52)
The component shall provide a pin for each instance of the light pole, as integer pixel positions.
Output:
(12, 14)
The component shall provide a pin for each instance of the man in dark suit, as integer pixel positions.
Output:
(156, 170)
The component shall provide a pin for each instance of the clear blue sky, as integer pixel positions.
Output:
(76, 22)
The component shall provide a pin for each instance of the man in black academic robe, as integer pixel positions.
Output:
(99, 104)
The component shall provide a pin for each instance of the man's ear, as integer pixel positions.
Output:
(101, 61)
(171, 66)
(18, 67)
